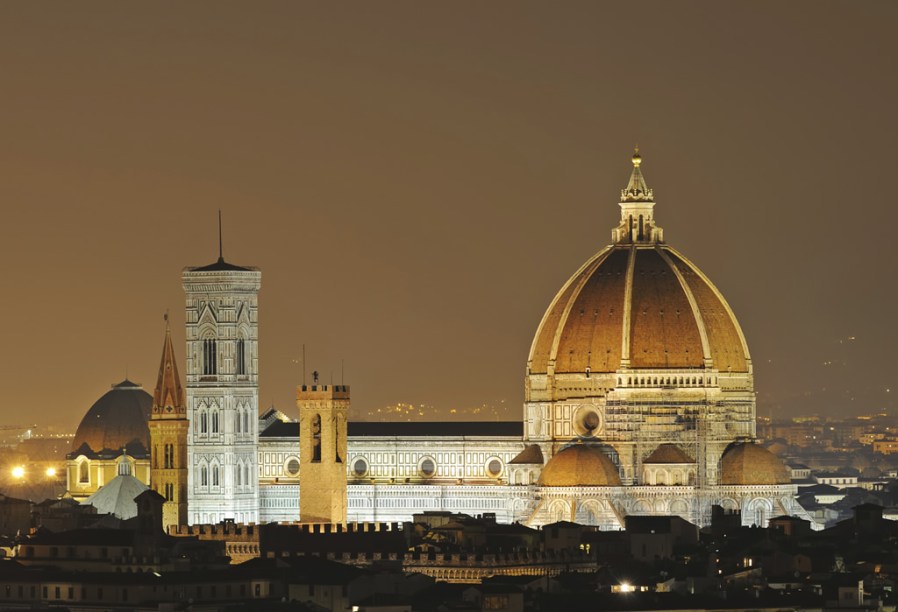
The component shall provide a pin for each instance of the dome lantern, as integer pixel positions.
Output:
(637, 224)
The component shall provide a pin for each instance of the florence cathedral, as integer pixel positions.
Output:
(639, 400)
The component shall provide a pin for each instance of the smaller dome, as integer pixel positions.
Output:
(116, 420)
(746, 463)
(668, 453)
(580, 465)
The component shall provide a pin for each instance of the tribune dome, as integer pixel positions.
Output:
(117, 420)
(638, 303)
(745, 463)
(580, 465)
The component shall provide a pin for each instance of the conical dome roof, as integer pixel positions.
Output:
(117, 497)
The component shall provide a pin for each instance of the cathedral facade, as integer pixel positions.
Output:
(639, 400)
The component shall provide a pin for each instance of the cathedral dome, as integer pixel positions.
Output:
(745, 463)
(580, 465)
(116, 420)
(638, 303)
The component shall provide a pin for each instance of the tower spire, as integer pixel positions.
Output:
(168, 397)
(220, 249)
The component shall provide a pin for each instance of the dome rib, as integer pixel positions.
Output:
(663, 329)
(591, 335)
(627, 326)
(693, 303)
(545, 342)
(725, 330)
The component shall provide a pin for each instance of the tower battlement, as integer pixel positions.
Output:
(322, 392)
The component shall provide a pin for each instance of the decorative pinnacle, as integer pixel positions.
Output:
(636, 190)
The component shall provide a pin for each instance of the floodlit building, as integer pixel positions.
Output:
(639, 401)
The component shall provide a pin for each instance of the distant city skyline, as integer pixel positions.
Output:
(417, 182)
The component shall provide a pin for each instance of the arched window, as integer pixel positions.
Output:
(246, 479)
(215, 421)
(169, 456)
(204, 476)
(316, 438)
(204, 423)
(241, 357)
(239, 473)
(84, 472)
(246, 428)
(239, 419)
(210, 357)
(215, 475)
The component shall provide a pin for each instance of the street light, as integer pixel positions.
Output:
(18, 472)
(51, 472)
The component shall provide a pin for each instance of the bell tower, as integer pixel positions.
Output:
(168, 438)
(322, 452)
(222, 392)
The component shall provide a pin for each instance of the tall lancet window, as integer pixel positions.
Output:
(241, 357)
(316, 438)
(210, 357)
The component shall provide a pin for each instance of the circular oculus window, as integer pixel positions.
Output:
(427, 467)
(292, 466)
(360, 467)
(494, 467)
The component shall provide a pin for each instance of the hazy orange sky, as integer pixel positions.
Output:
(416, 180)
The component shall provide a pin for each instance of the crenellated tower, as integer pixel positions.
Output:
(168, 437)
(322, 452)
(222, 392)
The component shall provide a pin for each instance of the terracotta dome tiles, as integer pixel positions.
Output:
(592, 334)
(663, 331)
(724, 338)
(671, 305)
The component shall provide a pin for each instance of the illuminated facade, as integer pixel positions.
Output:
(639, 400)
(222, 392)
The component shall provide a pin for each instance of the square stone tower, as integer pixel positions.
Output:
(222, 392)
(323, 411)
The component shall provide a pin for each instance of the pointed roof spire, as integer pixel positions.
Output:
(168, 393)
(637, 190)
(220, 265)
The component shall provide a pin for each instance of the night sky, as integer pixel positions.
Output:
(417, 180)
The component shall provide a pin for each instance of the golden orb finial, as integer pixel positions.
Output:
(636, 158)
